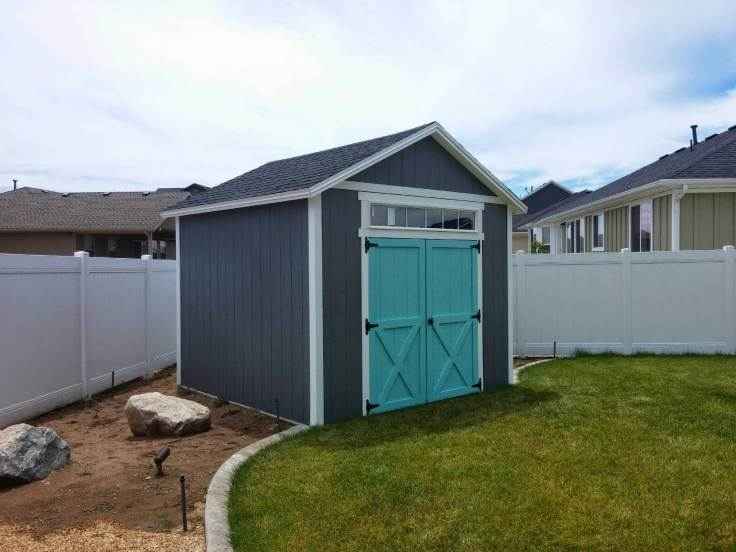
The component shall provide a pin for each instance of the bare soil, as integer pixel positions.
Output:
(108, 497)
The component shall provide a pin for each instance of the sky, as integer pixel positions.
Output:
(139, 95)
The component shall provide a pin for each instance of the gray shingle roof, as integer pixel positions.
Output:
(714, 157)
(295, 173)
(539, 200)
(35, 210)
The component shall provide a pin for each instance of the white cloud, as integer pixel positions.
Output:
(140, 95)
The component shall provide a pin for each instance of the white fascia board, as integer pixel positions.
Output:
(452, 146)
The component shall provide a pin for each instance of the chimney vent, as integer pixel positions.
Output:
(694, 128)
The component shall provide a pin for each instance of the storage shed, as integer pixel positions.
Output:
(352, 281)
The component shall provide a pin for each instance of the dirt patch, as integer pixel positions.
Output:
(107, 498)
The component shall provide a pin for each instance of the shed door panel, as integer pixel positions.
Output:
(397, 305)
(452, 311)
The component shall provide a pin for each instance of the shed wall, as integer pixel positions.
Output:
(244, 306)
(425, 164)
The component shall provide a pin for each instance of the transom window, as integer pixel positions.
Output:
(433, 218)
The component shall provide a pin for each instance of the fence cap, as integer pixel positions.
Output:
(728, 248)
(81, 253)
(626, 250)
(146, 257)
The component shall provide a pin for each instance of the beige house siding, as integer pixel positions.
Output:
(662, 223)
(616, 223)
(520, 241)
(707, 221)
(38, 243)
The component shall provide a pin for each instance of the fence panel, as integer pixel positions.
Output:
(663, 302)
(68, 323)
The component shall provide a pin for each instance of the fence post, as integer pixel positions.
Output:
(730, 295)
(626, 291)
(83, 272)
(519, 292)
(147, 312)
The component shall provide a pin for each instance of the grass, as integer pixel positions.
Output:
(592, 453)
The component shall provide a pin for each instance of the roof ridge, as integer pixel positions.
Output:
(359, 142)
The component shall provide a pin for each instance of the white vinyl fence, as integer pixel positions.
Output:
(663, 302)
(72, 326)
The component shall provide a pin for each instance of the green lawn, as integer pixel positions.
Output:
(591, 453)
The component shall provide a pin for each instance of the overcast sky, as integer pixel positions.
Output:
(128, 95)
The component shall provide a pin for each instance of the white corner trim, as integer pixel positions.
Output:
(675, 220)
(510, 298)
(216, 524)
(316, 367)
(437, 131)
(177, 236)
(415, 192)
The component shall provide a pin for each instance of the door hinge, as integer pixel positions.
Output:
(478, 385)
(370, 406)
(430, 321)
(476, 245)
(369, 244)
(369, 326)
(477, 316)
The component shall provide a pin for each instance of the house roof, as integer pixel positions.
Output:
(714, 157)
(542, 198)
(310, 174)
(35, 210)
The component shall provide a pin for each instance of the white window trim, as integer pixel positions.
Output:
(366, 229)
(631, 237)
(592, 231)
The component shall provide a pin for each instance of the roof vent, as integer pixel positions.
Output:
(711, 136)
(66, 194)
(105, 194)
(146, 193)
(694, 128)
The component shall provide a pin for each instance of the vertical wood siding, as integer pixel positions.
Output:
(341, 273)
(616, 225)
(244, 306)
(707, 221)
(495, 296)
(589, 233)
(661, 224)
(425, 164)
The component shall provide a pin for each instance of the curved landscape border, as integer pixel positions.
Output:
(216, 525)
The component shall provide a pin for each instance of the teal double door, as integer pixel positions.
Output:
(423, 320)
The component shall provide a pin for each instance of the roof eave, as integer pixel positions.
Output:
(692, 185)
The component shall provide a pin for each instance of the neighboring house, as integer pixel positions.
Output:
(685, 200)
(538, 200)
(107, 224)
(355, 280)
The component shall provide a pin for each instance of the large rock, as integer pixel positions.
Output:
(28, 453)
(157, 414)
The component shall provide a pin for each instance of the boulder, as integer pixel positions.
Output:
(28, 453)
(155, 414)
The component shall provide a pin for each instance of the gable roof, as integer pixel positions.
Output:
(714, 157)
(541, 199)
(311, 174)
(35, 210)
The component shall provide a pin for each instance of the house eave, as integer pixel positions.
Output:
(665, 185)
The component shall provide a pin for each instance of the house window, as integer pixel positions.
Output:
(574, 232)
(641, 226)
(540, 239)
(598, 232)
(421, 217)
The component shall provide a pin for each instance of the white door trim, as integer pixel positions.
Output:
(415, 192)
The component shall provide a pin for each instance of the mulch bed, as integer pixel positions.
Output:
(108, 497)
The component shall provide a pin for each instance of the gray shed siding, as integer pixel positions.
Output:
(495, 296)
(342, 327)
(342, 351)
(424, 164)
(244, 306)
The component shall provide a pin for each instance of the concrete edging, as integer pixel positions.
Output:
(216, 526)
(542, 361)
